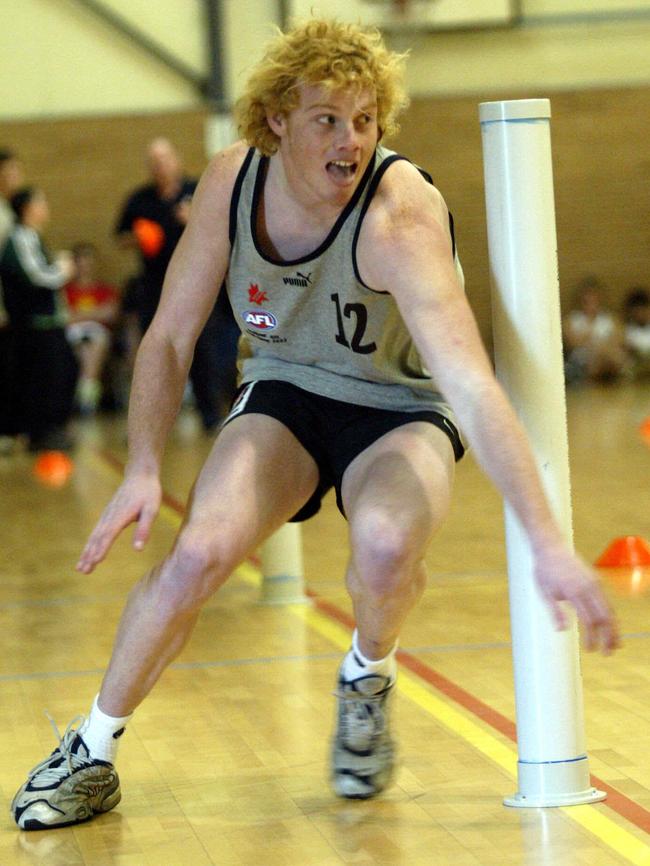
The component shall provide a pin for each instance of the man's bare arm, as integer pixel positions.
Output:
(194, 277)
(423, 280)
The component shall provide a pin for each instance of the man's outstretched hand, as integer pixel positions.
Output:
(563, 576)
(137, 500)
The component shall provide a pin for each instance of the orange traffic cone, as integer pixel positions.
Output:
(53, 468)
(630, 551)
(644, 430)
(150, 237)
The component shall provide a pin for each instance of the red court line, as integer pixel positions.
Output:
(628, 809)
(632, 811)
(117, 464)
(437, 680)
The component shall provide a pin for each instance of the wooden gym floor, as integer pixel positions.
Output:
(226, 762)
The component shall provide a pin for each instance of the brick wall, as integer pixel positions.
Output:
(601, 164)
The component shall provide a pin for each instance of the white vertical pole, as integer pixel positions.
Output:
(282, 568)
(219, 132)
(553, 768)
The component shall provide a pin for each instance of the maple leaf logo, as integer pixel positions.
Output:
(255, 296)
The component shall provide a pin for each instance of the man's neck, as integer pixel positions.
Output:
(169, 188)
(292, 197)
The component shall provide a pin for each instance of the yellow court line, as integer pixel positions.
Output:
(595, 822)
(169, 514)
(590, 818)
(416, 692)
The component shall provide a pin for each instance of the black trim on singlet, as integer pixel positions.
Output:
(451, 231)
(429, 179)
(372, 189)
(236, 194)
(425, 174)
(331, 237)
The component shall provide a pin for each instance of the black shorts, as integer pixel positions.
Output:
(333, 432)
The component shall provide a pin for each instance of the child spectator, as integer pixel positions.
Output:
(636, 315)
(593, 337)
(93, 309)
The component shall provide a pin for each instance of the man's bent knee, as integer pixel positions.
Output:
(193, 571)
(384, 555)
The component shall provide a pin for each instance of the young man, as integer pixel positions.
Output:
(340, 265)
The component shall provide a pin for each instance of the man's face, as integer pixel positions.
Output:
(590, 302)
(163, 160)
(327, 141)
(11, 177)
(37, 212)
(85, 261)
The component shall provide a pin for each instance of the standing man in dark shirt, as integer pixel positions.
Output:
(153, 220)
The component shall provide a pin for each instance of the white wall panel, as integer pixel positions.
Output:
(437, 14)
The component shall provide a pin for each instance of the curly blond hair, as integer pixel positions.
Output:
(320, 52)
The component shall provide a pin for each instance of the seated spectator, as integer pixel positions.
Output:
(93, 309)
(45, 365)
(593, 337)
(127, 339)
(636, 318)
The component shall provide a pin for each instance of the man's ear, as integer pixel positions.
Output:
(277, 122)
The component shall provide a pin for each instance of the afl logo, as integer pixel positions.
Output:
(261, 320)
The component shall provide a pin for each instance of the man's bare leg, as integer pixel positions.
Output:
(228, 517)
(396, 494)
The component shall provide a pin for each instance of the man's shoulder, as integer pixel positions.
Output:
(402, 178)
(222, 171)
(212, 201)
(225, 165)
(403, 195)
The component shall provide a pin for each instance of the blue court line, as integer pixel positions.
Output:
(264, 660)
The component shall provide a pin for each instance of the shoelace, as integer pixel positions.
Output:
(50, 775)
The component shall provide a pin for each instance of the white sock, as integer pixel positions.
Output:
(101, 733)
(356, 665)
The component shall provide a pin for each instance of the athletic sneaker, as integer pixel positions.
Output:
(66, 788)
(362, 748)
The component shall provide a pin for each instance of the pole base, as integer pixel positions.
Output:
(283, 589)
(521, 801)
(554, 783)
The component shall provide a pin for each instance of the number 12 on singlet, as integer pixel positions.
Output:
(360, 314)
